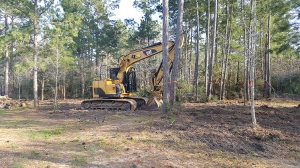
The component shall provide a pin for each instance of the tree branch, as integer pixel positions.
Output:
(46, 8)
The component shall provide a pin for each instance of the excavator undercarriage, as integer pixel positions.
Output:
(124, 104)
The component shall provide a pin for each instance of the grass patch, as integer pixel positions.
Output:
(79, 161)
(18, 165)
(101, 142)
(75, 140)
(149, 123)
(172, 120)
(20, 124)
(218, 154)
(13, 147)
(46, 134)
(233, 117)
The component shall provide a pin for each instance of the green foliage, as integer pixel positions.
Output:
(259, 85)
(291, 85)
(184, 91)
(144, 92)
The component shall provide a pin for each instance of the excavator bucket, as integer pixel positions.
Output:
(153, 104)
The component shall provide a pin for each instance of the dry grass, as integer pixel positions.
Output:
(196, 135)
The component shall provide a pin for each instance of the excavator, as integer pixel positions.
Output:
(118, 92)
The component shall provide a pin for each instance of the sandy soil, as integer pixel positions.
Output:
(192, 135)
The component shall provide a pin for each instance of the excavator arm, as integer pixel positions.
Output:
(156, 78)
(140, 54)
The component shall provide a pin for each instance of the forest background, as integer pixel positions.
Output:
(56, 48)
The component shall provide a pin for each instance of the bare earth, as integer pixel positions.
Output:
(193, 135)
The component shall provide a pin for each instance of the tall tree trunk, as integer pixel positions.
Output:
(82, 76)
(246, 55)
(166, 79)
(252, 63)
(186, 56)
(64, 86)
(237, 89)
(56, 81)
(191, 53)
(211, 62)
(224, 63)
(35, 68)
(196, 78)
(6, 76)
(42, 88)
(228, 37)
(178, 41)
(269, 58)
(207, 52)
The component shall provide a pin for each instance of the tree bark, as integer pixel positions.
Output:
(35, 29)
(269, 59)
(166, 78)
(228, 37)
(207, 53)
(224, 63)
(174, 74)
(252, 63)
(6, 76)
(211, 62)
(196, 78)
(42, 88)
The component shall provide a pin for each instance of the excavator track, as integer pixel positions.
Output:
(126, 104)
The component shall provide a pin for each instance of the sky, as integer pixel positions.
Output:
(126, 10)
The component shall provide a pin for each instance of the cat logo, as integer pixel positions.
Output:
(136, 56)
(149, 52)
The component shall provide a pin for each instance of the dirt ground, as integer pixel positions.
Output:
(193, 135)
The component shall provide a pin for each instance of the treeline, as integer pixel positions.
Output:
(55, 49)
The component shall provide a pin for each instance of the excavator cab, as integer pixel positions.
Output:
(113, 72)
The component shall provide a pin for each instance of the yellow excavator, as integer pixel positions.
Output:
(119, 91)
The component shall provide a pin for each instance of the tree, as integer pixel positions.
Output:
(207, 48)
(147, 29)
(166, 79)
(196, 76)
(177, 52)
(212, 57)
(6, 59)
(252, 59)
